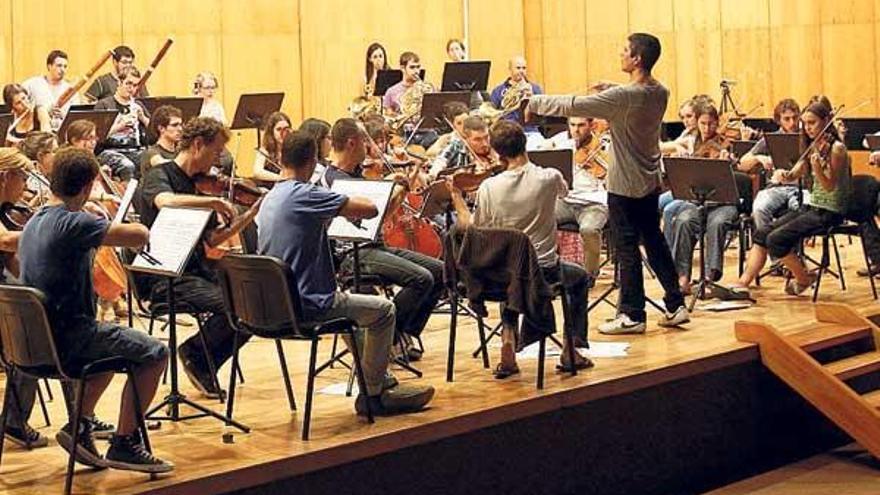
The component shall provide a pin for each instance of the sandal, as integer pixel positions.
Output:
(578, 365)
(501, 372)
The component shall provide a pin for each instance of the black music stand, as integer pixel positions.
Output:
(740, 147)
(190, 106)
(856, 128)
(253, 108)
(103, 120)
(183, 227)
(702, 181)
(432, 107)
(82, 107)
(466, 76)
(671, 130)
(872, 140)
(562, 160)
(6, 120)
(761, 124)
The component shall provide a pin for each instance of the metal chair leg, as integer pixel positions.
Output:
(868, 266)
(483, 344)
(230, 401)
(542, 352)
(291, 400)
(3, 414)
(43, 405)
(839, 266)
(310, 388)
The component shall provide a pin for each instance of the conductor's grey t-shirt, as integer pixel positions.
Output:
(635, 112)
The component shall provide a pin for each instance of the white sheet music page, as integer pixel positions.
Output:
(367, 230)
(172, 239)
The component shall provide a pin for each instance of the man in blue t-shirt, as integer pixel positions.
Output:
(57, 249)
(292, 226)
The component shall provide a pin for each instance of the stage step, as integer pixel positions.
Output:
(786, 355)
(854, 366)
(821, 335)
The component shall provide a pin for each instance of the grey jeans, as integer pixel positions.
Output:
(375, 318)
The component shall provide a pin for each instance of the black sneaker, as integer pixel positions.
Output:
(86, 452)
(23, 436)
(397, 400)
(101, 429)
(128, 452)
(198, 376)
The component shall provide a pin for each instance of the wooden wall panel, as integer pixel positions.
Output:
(850, 73)
(607, 26)
(697, 34)
(745, 58)
(40, 26)
(497, 33)
(795, 50)
(533, 35)
(6, 42)
(196, 33)
(564, 47)
(656, 17)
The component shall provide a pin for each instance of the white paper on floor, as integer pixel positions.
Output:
(339, 389)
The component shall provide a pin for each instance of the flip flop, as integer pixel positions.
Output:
(580, 365)
(501, 372)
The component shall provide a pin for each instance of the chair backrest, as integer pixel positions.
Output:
(863, 198)
(26, 339)
(257, 293)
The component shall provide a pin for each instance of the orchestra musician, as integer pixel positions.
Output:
(376, 60)
(420, 277)
(634, 112)
(523, 197)
(402, 102)
(40, 148)
(167, 124)
(46, 89)
(320, 132)
(581, 205)
(828, 162)
(292, 226)
(679, 145)
(457, 153)
(411, 66)
(681, 219)
(125, 140)
(56, 251)
(206, 85)
(508, 95)
(105, 85)
(173, 183)
(456, 51)
(455, 112)
(276, 127)
(26, 115)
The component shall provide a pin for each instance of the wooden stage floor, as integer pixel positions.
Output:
(475, 400)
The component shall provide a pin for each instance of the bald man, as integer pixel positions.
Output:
(517, 68)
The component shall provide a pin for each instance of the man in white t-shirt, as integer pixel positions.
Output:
(523, 197)
(46, 89)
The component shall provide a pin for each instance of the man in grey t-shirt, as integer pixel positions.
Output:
(635, 112)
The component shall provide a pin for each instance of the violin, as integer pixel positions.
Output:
(732, 127)
(589, 155)
(239, 191)
(14, 216)
(712, 148)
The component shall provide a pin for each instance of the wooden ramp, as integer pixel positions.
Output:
(791, 357)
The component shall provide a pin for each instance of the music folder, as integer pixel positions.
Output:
(466, 76)
(713, 177)
(785, 149)
(871, 140)
(368, 229)
(173, 237)
(190, 106)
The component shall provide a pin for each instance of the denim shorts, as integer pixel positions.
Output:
(111, 340)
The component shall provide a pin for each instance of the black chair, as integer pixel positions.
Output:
(27, 345)
(860, 211)
(259, 302)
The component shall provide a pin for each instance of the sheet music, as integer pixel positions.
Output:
(379, 192)
(172, 239)
(125, 203)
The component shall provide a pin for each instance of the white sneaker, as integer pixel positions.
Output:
(680, 317)
(622, 325)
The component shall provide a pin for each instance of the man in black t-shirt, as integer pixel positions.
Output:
(172, 184)
(126, 137)
(105, 84)
(57, 249)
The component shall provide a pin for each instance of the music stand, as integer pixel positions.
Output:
(189, 106)
(671, 130)
(785, 149)
(872, 140)
(176, 231)
(82, 107)
(6, 120)
(741, 147)
(561, 160)
(466, 76)
(103, 120)
(432, 107)
(761, 124)
(253, 108)
(702, 181)
(856, 128)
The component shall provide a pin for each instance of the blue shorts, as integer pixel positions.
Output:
(111, 340)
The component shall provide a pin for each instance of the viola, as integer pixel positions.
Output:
(589, 156)
(243, 192)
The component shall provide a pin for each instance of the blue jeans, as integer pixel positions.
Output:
(772, 203)
(683, 231)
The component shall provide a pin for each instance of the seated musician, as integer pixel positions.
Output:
(165, 125)
(46, 89)
(580, 205)
(678, 146)
(458, 153)
(27, 116)
(105, 85)
(376, 60)
(125, 140)
(173, 183)
(268, 158)
(420, 277)
(681, 219)
(292, 226)
(40, 148)
(56, 252)
(509, 94)
(455, 112)
(523, 197)
(456, 51)
(829, 163)
(779, 196)
(320, 132)
(206, 85)
(411, 66)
